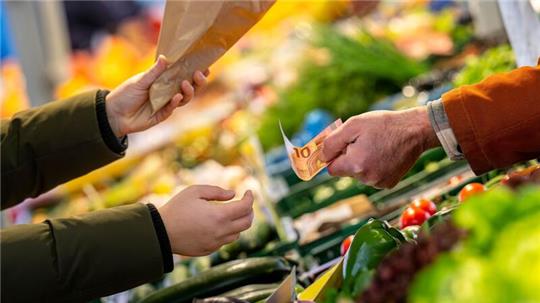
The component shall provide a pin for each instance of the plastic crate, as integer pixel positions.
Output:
(303, 199)
(321, 192)
(328, 247)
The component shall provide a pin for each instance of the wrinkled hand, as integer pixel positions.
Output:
(378, 148)
(128, 106)
(197, 225)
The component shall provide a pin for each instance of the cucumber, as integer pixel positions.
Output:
(250, 241)
(247, 289)
(219, 300)
(251, 297)
(257, 295)
(222, 278)
(252, 293)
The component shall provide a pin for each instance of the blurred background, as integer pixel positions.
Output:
(306, 63)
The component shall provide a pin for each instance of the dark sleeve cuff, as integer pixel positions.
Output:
(163, 238)
(117, 145)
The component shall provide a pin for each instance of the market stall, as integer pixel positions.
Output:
(442, 234)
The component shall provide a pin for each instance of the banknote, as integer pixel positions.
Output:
(305, 160)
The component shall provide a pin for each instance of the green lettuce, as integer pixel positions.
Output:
(499, 261)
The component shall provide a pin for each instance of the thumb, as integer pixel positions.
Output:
(334, 144)
(149, 76)
(240, 208)
(212, 193)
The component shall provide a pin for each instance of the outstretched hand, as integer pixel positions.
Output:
(199, 221)
(378, 148)
(129, 109)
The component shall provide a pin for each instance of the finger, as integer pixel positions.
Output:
(178, 100)
(239, 209)
(206, 72)
(199, 79)
(241, 224)
(341, 167)
(162, 114)
(212, 193)
(167, 110)
(335, 144)
(154, 72)
(187, 90)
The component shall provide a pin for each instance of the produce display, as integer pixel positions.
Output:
(495, 60)
(442, 234)
(396, 272)
(420, 264)
(343, 76)
(223, 278)
(498, 258)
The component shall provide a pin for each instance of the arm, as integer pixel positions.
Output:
(80, 258)
(48, 145)
(107, 251)
(497, 122)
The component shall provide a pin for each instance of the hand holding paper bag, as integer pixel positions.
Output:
(195, 34)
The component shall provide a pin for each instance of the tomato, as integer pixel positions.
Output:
(424, 204)
(413, 216)
(469, 190)
(346, 244)
(505, 180)
(455, 180)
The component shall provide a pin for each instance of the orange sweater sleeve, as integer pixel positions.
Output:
(497, 122)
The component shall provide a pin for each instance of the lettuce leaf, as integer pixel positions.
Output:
(500, 259)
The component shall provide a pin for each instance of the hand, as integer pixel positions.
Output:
(197, 226)
(128, 107)
(378, 148)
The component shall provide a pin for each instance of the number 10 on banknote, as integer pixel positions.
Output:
(305, 160)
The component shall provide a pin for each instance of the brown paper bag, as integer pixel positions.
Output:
(195, 33)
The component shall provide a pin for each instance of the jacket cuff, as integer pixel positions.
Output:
(461, 123)
(445, 134)
(163, 238)
(117, 145)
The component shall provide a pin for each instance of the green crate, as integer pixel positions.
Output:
(414, 182)
(328, 247)
(304, 197)
(322, 192)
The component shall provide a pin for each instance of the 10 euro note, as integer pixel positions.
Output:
(305, 160)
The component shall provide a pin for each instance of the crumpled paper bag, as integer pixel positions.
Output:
(194, 34)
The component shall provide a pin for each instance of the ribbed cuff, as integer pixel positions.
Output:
(117, 145)
(445, 134)
(163, 238)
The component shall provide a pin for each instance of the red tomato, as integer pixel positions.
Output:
(346, 244)
(413, 216)
(505, 180)
(469, 190)
(424, 204)
(455, 180)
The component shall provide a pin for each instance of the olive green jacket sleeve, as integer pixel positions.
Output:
(75, 259)
(80, 258)
(49, 145)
